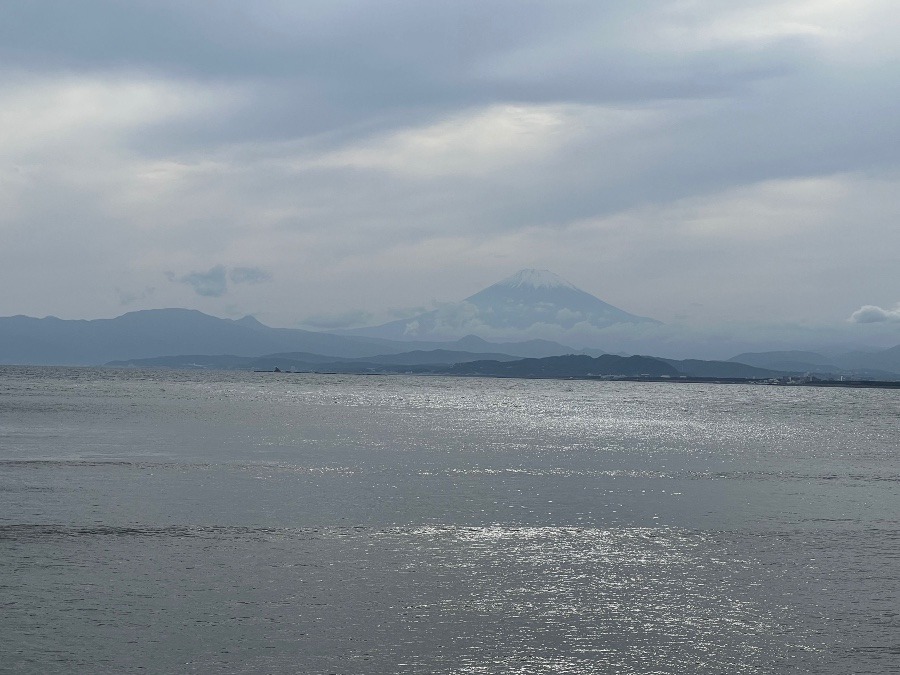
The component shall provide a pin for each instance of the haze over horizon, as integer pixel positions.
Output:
(330, 167)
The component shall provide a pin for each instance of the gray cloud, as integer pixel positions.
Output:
(214, 283)
(677, 159)
(248, 275)
(211, 284)
(127, 297)
(874, 314)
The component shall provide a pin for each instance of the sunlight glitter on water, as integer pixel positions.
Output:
(630, 601)
(237, 522)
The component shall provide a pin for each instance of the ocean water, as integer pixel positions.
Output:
(165, 522)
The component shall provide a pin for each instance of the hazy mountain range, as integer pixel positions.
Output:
(190, 339)
(884, 364)
(442, 361)
(526, 301)
(172, 332)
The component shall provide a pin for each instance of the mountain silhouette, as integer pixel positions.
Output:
(518, 305)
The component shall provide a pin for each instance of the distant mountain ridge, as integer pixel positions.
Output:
(169, 332)
(163, 333)
(153, 333)
(528, 300)
(447, 362)
(306, 362)
(883, 364)
(571, 366)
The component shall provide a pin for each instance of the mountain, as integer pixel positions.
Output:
(454, 362)
(159, 332)
(304, 361)
(792, 361)
(880, 365)
(721, 369)
(885, 360)
(612, 365)
(524, 349)
(538, 296)
(571, 365)
(167, 332)
(420, 357)
(443, 361)
(528, 302)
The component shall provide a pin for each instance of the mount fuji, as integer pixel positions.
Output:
(528, 304)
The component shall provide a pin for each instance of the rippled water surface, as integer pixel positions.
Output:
(162, 522)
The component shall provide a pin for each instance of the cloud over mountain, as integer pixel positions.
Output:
(214, 283)
(211, 283)
(530, 303)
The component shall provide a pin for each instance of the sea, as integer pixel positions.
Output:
(236, 522)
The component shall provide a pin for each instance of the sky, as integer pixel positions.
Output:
(332, 164)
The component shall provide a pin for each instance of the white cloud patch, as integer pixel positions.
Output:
(566, 315)
(482, 141)
(764, 211)
(875, 314)
(40, 117)
(761, 22)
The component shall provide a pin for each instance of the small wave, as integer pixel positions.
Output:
(86, 463)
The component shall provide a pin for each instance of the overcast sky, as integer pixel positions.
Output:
(334, 163)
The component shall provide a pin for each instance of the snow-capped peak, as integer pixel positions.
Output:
(535, 279)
